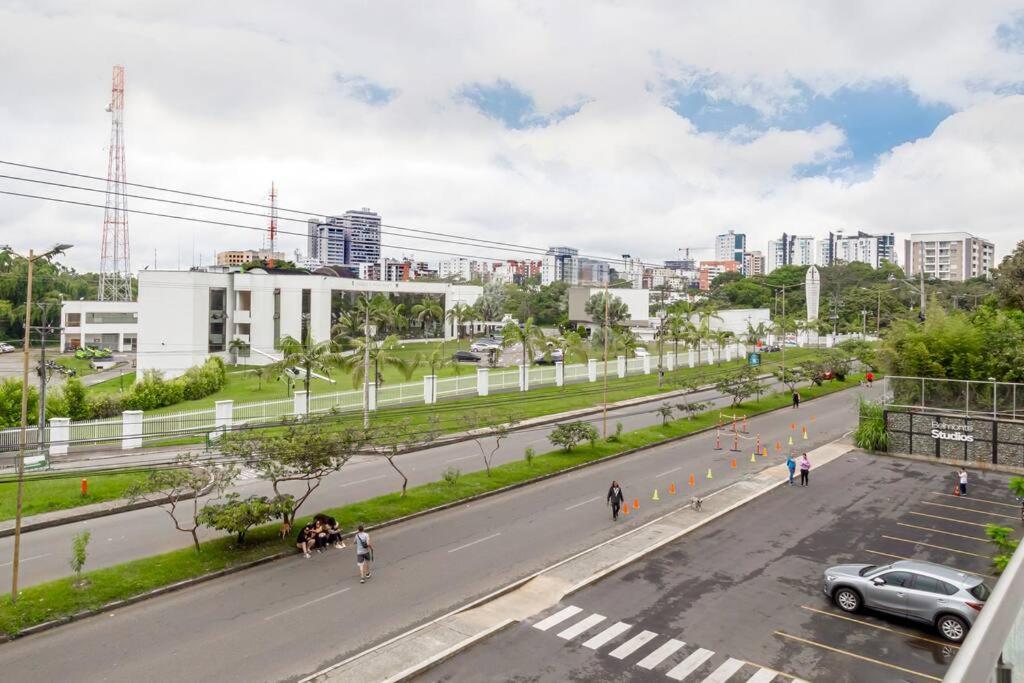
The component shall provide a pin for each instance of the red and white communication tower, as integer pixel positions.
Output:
(272, 231)
(115, 265)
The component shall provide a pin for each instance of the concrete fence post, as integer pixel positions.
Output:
(482, 382)
(373, 397)
(223, 414)
(428, 390)
(60, 434)
(559, 374)
(647, 365)
(592, 370)
(131, 430)
(728, 352)
(690, 358)
(670, 362)
(524, 377)
(622, 366)
(299, 403)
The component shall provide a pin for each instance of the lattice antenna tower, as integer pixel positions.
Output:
(272, 229)
(115, 265)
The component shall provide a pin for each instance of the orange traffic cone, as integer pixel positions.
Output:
(764, 453)
(733, 463)
(636, 503)
(805, 432)
(792, 425)
(672, 489)
(693, 480)
(778, 446)
(625, 509)
(744, 424)
(718, 440)
(735, 443)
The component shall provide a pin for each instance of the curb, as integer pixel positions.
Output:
(156, 592)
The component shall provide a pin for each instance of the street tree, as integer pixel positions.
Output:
(686, 404)
(568, 435)
(236, 515)
(487, 427)
(791, 376)
(1009, 279)
(665, 411)
(309, 357)
(177, 490)
(740, 386)
(299, 457)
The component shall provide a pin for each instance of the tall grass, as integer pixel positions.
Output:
(870, 433)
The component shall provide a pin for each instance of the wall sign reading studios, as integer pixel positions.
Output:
(952, 432)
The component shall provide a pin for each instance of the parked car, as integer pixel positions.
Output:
(945, 598)
(549, 358)
(6, 348)
(640, 353)
(465, 357)
(771, 348)
(484, 345)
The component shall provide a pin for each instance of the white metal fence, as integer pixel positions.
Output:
(998, 400)
(167, 426)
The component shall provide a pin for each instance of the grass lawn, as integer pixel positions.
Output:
(47, 492)
(81, 366)
(59, 598)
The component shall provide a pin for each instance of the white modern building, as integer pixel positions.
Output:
(954, 256)
(186, 316)
(352, 238)
(859, 247)
(560, 264)
(730, 246)
(790, 250)
(110, 325)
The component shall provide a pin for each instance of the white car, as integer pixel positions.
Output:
(6, 348)
(484, 345)
(640, 353)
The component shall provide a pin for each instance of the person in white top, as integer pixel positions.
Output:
(364, 554)
(963, 482)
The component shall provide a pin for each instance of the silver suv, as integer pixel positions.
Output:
(948, 599)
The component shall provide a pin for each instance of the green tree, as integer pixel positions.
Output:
(528, 334)
(491, 303)
(236, 515)
(665, 411)
(1009, 279)
(568, 435)
(79, 554)
(740, 386)
(427, 313)
(10, 403)
(310, 357)
(618, 312)
(76, 402)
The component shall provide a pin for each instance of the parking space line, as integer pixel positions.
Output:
(901, 557)
(940, 531)
(661, 654)
(857, 656)
(938, 547)
(977, 512)
(879, 627)
(690, 664)
(980, 500)
(946, 519)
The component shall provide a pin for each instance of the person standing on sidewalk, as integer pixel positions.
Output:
(963, 481)
(805, 470)
(791, 464)
(796, 398)
(615, 499)
(364, 554)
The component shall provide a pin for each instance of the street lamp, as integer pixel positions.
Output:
(32, 257)
(864, 323)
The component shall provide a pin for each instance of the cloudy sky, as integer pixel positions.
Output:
(611, 126)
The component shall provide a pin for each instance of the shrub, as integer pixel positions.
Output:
(570, 434)
(618, 433)
(529, 454)
(1006, 544)
(106, 406)
(236, 515)
(152, 392)
(870, 433)
(202, 380)
(76, 402)
(10, 403)
(79, 545)
(451, 476)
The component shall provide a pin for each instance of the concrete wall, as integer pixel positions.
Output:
(85, 331)
(637, 302)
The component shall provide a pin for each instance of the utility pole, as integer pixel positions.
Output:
(878, 315)
(41, 422)
(922, 283)
(366, 365)
(604, 405)
(783, 332)
(864, 323)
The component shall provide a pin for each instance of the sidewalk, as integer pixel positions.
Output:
(417, 650)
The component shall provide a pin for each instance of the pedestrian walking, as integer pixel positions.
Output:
(791, 464)
(963, 481)
(796, 399)
(870, 377)
(615, 499)
(805, 470)
(364, 554)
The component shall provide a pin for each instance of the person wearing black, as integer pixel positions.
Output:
(306, 540)
(796, 399)
(333, 531)
(615, 499)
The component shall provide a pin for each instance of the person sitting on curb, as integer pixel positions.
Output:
(306, 540)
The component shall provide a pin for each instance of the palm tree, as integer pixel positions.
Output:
(457, 315)
(311, 357)
(572, 344)
(626, 342)
(427, 312)
(238, 347)
(721, 338)
(385, 353)
(348, 325)
(528, 334)
(755, 333)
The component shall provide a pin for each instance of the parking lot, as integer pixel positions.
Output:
(741, 599)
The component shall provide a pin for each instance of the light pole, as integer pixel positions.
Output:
(604, 404)
(32, 257)
(993, 380)
(864, 323)
(661, 346)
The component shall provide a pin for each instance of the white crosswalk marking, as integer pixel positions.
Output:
(658, 656)
(578, 628)
(690, 664)
(604, 636)
(762, 676)
(633, 644)
(558, 618)
(722, 673)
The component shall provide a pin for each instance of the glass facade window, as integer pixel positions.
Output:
(110, 318)
(73, 320)
(306, 305)
(130, 342)
(277, 318)
(218, 296)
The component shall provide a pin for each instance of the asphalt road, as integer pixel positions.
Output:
(745, 592)
(296, 616)
(131, 535)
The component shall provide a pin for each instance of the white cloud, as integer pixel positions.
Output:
(227, 99)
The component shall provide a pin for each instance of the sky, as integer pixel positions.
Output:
(615, 127)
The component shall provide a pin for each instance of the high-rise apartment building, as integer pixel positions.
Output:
(730, 246)
(860, 247)
(593, 272)
(242, 256)
(561, 264)
(352, 238)
(790, 250)
(753, 264)
(632, 271)
(953, 256)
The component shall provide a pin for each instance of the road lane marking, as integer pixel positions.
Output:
(633, 644)
(690, 664)
(938, 547)
(581, 626)
(463, 457)
(362, 481)
(661, 654)
(940, 531)
(977, 512)
(588, 500)
(762, 676)
(613, 631)
(857, 656)
(879, 627)
(946, 519)
(306, 604)
(725, 671)
(25, 559)
(901, 557)
(479, 540)
(980, 500)
(557, 618)
(674, 469)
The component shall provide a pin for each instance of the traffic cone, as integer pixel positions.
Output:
(733, 463)
(764, 453)
(757, 444)
(693, 480)
(625, 509)
(735, 443)
(709, 473)
(812, 418)
(636, 503)
(792, 425)
(744, 424)
(805, 433)
(672, 489)
(655, 496)
(718, 440)
(790, 440)
(778, 446)
(753, 457)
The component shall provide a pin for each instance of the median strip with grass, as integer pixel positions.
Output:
(49, 492)
(60, 599)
